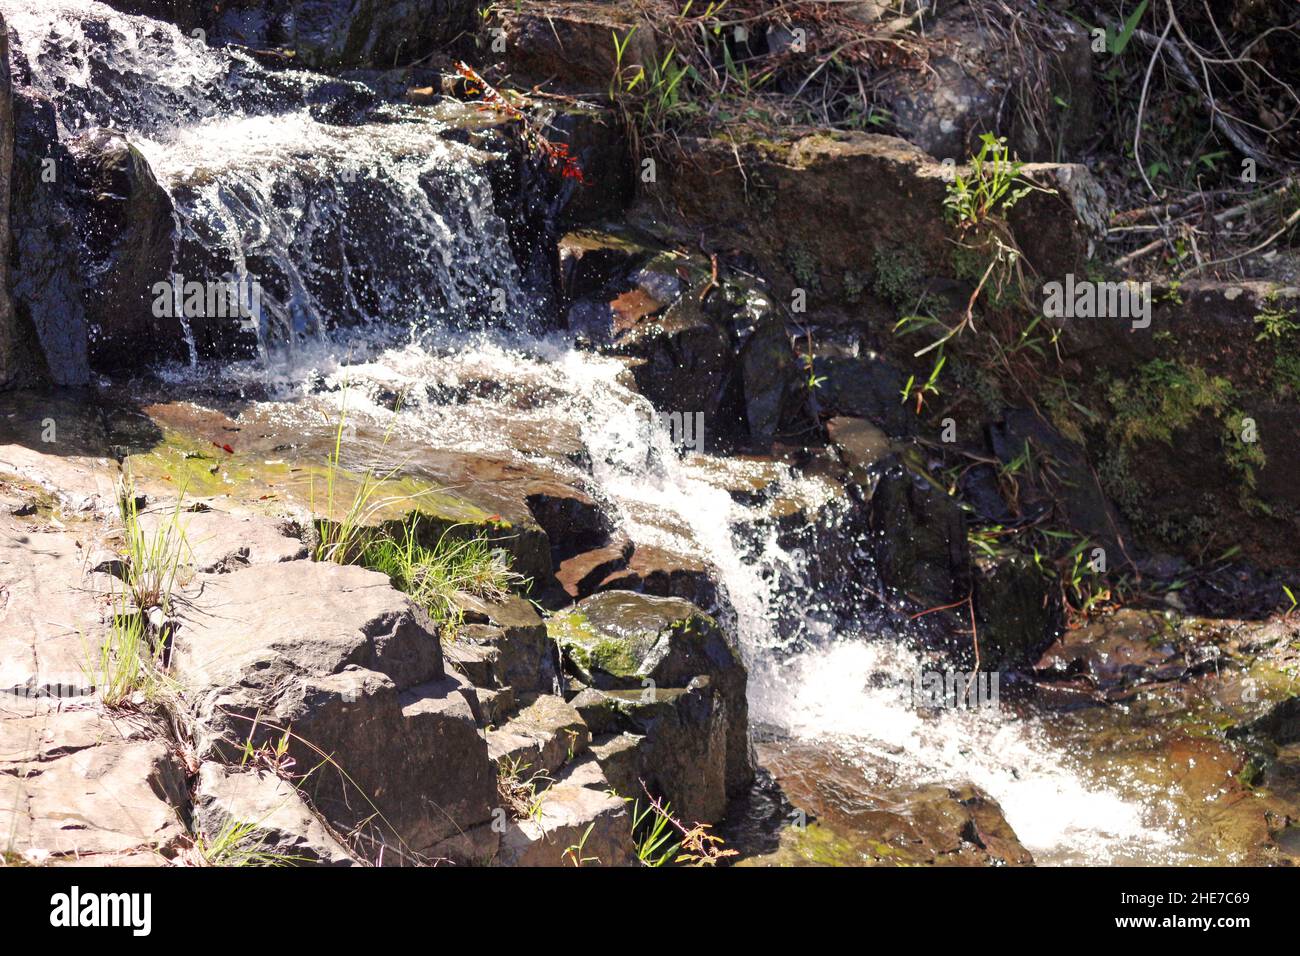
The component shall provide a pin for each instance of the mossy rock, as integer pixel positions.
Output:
(616, 640)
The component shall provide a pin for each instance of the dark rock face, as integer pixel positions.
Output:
(322, 33)
(45, 278)
(1016, 611)
(573, 48)
(12, 371)
(1073, 492)
(920, 539)
(674, 740)
(128, 232)
(863, 387)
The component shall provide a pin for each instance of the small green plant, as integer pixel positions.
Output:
(653, 832)
(991, 189)
(433, 576)
(929, 387)
(1276, 324)
(340, 540)
(127, 667)
(152, 559)
(522, 796)
(574, 853)
(240, 844)
(1117, 42)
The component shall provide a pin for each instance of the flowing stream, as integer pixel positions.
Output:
(393, 222)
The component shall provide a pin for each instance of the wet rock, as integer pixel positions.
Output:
(919, 536)
(127, 227)
(618, 640)
(1280, 723)
(283, 825)
(664, 573)
(1071, 492)
(1119, 651)
(577, 812)
(672, 739)
(322, 33)
(967, 815)
(596, 138)
(866, 387)
(341, 102)
(861, 446)
(687, 360)
(1017, 613)
(583, 573)
(768, 374)
(352, 666)
(45, 274)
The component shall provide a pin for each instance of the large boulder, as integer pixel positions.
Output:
(879, 212)
(353, 668)
(619, 640)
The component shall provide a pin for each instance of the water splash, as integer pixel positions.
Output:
(385, 222)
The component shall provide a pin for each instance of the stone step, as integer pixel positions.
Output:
(579, 823)
(541, 738)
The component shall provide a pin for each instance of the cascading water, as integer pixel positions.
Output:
(268, 192)
(392, 220)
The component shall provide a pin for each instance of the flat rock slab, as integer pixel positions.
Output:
(84, 786)
(212, 541)
(310, 618)
(51, 617)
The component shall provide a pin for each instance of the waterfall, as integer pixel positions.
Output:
(385, 220)
(388, 223)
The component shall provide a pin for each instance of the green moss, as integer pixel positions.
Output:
(589, 650)
(803, 266)
(854, 285)
(1165, 397)
(1276, 323)
(899, 271)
